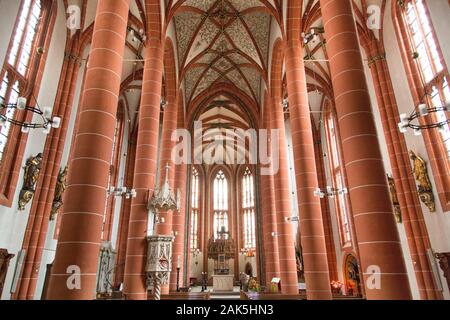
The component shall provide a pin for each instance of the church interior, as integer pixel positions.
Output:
(224, 149)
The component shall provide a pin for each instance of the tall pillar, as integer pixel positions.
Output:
(38, 221)
(168, 127)
(124, 221)
(325, 207)
(286, 246)
(312, 234)
(378, 241)
(412, 215)
(268, 208)
(135, 284)
(179, 229)
(179, 219)
(81, 227)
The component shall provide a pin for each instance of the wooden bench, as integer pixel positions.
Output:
(342, 297)
(187, 296)
(271, 296)
(279, 296)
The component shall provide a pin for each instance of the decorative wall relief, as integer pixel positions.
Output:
(300, 264)
(394, 198)
(424, 186)
(105, 270)
(444, 263)
(31, 175)
(5, 257)
(61, 185)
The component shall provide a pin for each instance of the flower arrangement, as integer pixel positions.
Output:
(253, 285)
(336, 286)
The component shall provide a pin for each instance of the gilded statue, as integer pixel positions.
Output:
(394, 198)
(61, 185)
(300, 264)
(31, 175)
(424, 186)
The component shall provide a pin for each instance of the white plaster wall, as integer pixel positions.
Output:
(13, 222)
(8, 13)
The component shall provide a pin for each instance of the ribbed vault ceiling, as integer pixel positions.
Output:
(223, 41)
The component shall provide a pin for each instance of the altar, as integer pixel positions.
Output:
(223, 283)
(221, 250)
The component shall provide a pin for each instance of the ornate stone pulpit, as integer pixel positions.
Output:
(159, 254)
(159, 261)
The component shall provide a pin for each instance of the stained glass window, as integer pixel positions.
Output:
(14, 73)
(248, 208)
(424, 42)
(220, 204)
(195, 209)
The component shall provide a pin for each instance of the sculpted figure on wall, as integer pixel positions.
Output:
(395, 201)
(444, 263)
(31, 175)
(5, 257)
(424, 186)
(61, 185)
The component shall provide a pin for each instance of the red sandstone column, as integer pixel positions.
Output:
(268, 208)
(179, 228)
(81, 227)
(168, 127)
(288, 264)
(135, 287)
(413, 220)
(38, 220)
(311, 223)
(124, 220)
(376, 231)
(179, 219)
(325, 208)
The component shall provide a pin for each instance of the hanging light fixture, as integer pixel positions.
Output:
(424, 111)
(137, 35)
(45, 120)
(330, 192)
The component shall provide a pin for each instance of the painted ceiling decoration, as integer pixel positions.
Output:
(223, 41)
(223, 118)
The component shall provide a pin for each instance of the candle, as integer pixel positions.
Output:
(179, 262)
(21, 103)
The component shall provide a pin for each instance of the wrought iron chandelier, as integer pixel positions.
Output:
(45, 120)
(330, 192)
(137, 35)
(424, 111)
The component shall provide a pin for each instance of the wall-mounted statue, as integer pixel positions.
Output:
(31, 175)
(61, 185)
(424, 186)
(5, 257)
(394, 198)
(300, 265)
(444, 263)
